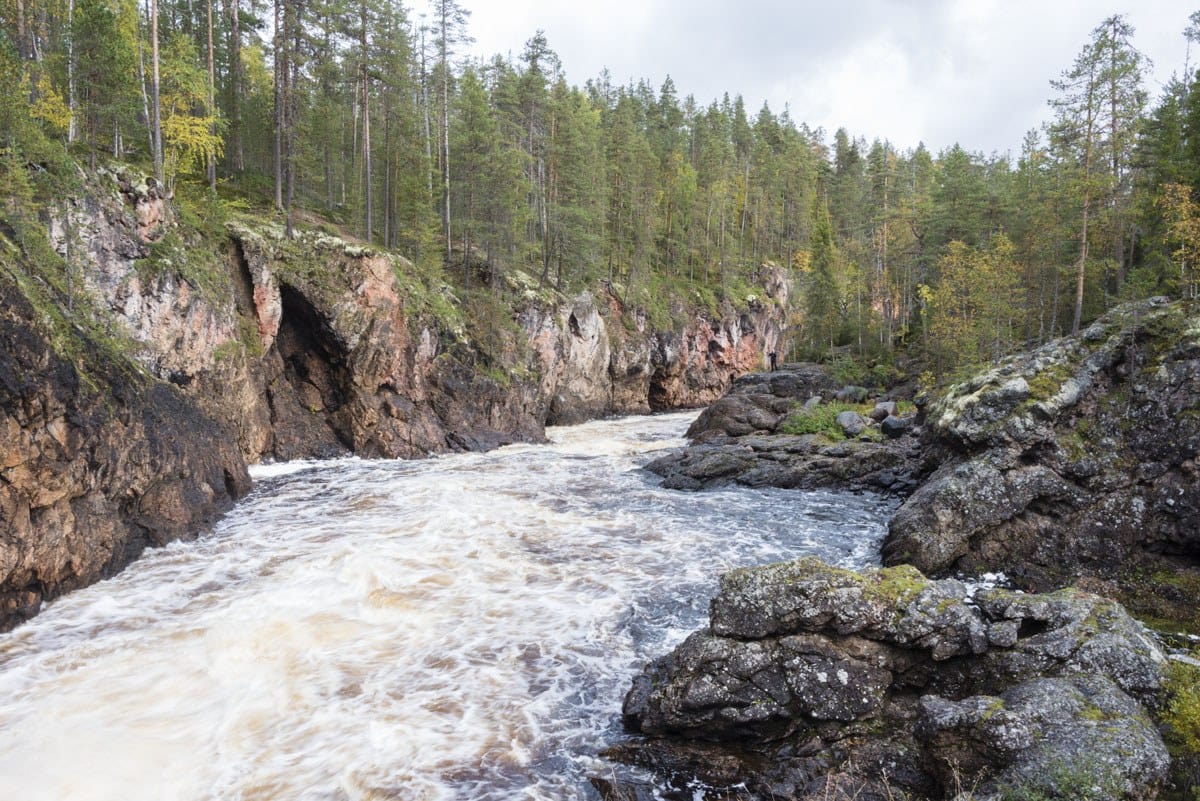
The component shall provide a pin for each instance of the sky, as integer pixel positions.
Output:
(975, 72)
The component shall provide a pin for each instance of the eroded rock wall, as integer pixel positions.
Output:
(94, 465)
(315, 347)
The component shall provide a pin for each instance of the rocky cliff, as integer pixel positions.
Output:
(317, 346)
(1076, 460)
(98, 460)
(236, 344)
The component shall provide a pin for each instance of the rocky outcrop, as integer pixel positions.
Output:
(315, 346)
(747, 437)
(885, 684)
(98, 460)
(1076, 459)
(595, 356)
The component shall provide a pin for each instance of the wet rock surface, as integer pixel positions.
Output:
(886, 684)
(743, 439)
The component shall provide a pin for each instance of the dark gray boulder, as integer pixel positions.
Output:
(808, 673)
(894, 427)
(852, 423)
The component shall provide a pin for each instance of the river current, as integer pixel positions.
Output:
(461, 627)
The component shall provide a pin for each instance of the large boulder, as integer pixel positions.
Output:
(758, 402)
(852, 423)
(806, 461)
(810, 674)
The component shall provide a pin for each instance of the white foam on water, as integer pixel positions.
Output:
(453, 628)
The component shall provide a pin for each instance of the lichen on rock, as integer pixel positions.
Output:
(807, 670)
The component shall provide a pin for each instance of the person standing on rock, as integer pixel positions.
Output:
(773, 358)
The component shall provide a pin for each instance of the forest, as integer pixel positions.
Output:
(369, 118)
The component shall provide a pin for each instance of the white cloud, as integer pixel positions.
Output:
(939, 71)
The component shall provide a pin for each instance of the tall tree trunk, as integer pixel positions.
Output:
(157, 111)
(293, 31)
(1082, 270)
(72, 128)
(280, 111)
(366, 145)
(1088, 146)
(142, 86)
(212, 97)
(446, 148)
(444, 9)
(236, 150)
(387, 182)
(425, 109)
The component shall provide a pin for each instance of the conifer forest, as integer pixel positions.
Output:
(369, 119)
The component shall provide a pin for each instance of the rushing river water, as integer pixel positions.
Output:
(455, 628)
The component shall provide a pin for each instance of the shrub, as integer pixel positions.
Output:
(820, 419)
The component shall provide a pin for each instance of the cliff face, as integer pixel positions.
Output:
(94, 466)
(315, 347)
(238, 345)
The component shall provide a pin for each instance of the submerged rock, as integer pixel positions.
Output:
(808, 673)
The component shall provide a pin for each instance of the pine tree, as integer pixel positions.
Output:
(450, 30)
(822, 297)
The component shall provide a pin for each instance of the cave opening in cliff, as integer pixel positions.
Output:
(314, 363)
(658, 397)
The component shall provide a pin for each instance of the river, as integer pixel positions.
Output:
(461, 627)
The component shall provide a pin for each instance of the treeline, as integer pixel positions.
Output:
(370, 115)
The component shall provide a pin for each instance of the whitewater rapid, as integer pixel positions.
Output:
(454, 628)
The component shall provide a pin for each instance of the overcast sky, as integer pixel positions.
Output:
(975, 72)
